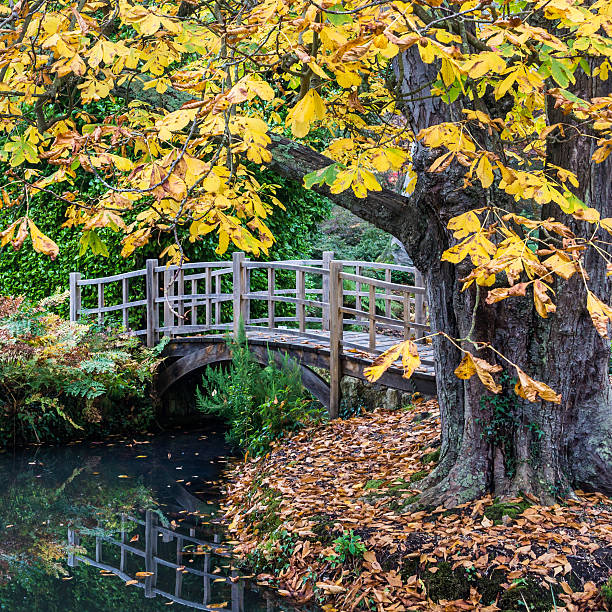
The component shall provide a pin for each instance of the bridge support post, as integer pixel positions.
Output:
(420, 316)
(75, 296)
(335, 337)
(152, 292)
(239, 289)
(327, 259)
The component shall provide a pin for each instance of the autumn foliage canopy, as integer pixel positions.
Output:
(172, 105)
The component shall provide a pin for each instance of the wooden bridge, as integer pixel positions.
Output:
(329, 314)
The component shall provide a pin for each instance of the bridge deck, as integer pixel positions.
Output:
(311, 350)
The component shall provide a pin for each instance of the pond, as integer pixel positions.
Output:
(123, 525)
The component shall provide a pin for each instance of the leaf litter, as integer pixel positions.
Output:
(363, 474)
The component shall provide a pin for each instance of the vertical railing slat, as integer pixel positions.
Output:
(125, 296)
(372, 321)
(239, 286)
(180, 305)
(300, 294)
(335, 337)
(218, 303)
(271, 302)
(420, 316)
(208, 290)
(150, 552)
(387, 294)
(100, 303)
(152, 293)
(327, 258)
(75, 296)
(406, 305)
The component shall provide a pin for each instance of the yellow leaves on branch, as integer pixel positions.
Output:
(409, 354)
(471, 365)
(40, 242)
(309, 109)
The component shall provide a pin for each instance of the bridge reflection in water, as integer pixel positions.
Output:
(149, 556)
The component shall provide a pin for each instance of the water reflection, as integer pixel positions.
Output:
(145, 549)
(129, 525)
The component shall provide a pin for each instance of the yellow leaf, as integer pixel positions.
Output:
(410, 360)
(543, 303)
(600, 313)
(465, 224)
(560, 263)
(471, 365)
(484, 172)
(42, 243)
(587, 214)
(310, 108)
(530, 389)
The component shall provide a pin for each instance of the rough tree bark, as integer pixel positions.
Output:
(542, 449)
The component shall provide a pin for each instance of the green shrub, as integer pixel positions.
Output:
(60, 380)
(260, 404)
(349, 546)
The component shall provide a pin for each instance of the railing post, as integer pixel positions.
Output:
(150, 552)
(75, 296)
(420, 316)
(73, 542)
(152, 292)
(327, 258)
(335, 337)
(239, 287)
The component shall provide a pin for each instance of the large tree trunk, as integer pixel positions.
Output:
(502, 444)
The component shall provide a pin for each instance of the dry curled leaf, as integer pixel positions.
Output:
(600, 313)
(471, 365)
(530, 389)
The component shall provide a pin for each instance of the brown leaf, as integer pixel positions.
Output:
(501, 293)
(471, 365)
(530, 389)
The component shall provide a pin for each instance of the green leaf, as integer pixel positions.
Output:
(325, 175)
(91, 240)
(337, 20)
(558, 73)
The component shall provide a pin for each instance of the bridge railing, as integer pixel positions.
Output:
(293, 296)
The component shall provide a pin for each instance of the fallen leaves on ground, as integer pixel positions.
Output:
(362, 474)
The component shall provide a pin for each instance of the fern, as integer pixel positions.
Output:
(260, 405)
(86, 388)
(98, 364)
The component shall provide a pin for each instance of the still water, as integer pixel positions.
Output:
(123, 525)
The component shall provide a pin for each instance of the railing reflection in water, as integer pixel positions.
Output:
(192, 561)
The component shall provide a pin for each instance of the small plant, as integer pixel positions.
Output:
(260, 404)
(606, 592)
(349, 546)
